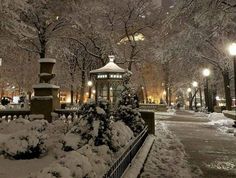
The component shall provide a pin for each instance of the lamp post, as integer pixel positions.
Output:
(90, 84)
(189, 90)
(195, 85)
(232, 52)
(206, 72)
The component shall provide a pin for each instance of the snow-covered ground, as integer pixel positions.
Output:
(222, 123)
(169, 112)
(167, 157)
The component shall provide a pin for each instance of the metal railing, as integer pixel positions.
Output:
(122, 163)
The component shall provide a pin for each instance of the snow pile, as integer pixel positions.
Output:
(167, 157)
(24, 144)
(221, 122)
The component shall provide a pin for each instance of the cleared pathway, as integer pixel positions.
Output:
(212, 151)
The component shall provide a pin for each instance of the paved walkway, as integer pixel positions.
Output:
(212, 151)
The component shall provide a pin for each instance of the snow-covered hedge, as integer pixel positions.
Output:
(24, 144)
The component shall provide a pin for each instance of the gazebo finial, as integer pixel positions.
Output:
(111, 58)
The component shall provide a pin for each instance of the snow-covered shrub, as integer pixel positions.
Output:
(24, 144)
(131, 117)
(93, 127)
(53, 171)
(121, 135)
(39, 125)
(88, 161)
(127, 110)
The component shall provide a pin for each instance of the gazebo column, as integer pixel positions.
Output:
(108, 90)
(97, 92)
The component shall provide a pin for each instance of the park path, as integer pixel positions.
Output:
(212, 151)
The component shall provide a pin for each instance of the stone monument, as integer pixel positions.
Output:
(45, 99)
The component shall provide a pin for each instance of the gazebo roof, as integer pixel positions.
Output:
(110, 67)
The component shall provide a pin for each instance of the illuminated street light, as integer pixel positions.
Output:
(206, 72)
(232, 49)
(90, 83)
(94, 91)
(189, 90)
(195, 84)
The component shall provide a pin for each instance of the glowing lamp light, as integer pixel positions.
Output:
(90, 83)
(217, 98)
(195, 84)
(94, 91)
(189, 90)
(164, 92)
(206, 72)
(232, 49)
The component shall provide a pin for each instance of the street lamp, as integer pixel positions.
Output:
(232, 52)
(189, 91)
(195, 85)
(206, 72)
(90, 84)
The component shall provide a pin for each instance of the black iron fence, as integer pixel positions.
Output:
(122, 163)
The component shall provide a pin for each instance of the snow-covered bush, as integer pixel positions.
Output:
(127, 110)
(131, 117)
(24, 144)
(93, 126)
(88, 161)
(39, 125)
(121, 135)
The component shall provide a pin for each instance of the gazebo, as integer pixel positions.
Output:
(108, 81)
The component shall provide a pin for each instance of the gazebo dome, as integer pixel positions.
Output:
(110, 67)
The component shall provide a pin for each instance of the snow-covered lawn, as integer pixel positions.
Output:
(222, 123)
(167, 157)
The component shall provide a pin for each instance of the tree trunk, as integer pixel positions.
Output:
(214, 94)
(227, 90)
(190, 101)
(83, 77)
(29, 95)
(200, 93)
(71, 94)
(170, 96)
(76, 96)
(167, 93)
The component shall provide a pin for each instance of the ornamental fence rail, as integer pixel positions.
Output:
(123, 162)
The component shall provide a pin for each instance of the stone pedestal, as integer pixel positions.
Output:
(45, 99)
